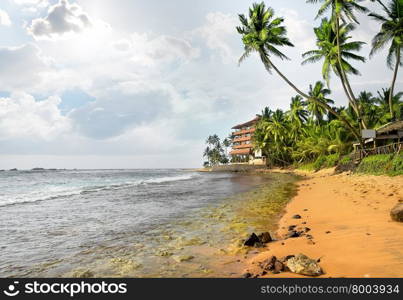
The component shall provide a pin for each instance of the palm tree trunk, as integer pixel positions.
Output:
(392, 87)
(344, 80)
(269, 65)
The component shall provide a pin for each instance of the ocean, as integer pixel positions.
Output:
(131, 223)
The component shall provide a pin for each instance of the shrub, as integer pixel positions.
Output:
(376, 164)
(331, 161)
(345, 164)
(397, 165)
(319, 162)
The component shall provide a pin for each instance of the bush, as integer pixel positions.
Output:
(397, 165)
(307, 167)
(345, 164)
(375, 164)
(319, 162)
(328, 161)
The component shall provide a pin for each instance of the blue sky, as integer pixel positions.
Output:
(137, 84)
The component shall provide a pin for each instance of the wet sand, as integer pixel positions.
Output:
(348, 217)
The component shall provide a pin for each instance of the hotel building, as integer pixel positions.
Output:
(242, 147)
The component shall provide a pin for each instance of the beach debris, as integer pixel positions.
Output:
(397, 212)
(182, 258)
(296, 217)
(302, 264)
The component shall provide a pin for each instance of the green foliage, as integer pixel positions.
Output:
(383, 164)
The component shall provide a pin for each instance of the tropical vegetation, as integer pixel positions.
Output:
(313, 130)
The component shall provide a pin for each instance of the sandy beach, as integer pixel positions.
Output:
(348, 218)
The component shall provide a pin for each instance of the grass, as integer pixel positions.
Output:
(382, 164)
(322, 162)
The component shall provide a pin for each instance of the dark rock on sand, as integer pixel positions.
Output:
(296, 217)
(247, 275)
(397, 212)
(302, 264)
(278, 267)
(293, 234)
(291, 227)
(268, 264)
(265, 237)
(251, 240)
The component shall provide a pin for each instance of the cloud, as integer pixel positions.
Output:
(32, 2)
(123, 106)
(219, 34)
(21, 116)
(62, 19)
(4, 18)
(21, 67)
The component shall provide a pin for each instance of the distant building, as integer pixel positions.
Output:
(242, 147)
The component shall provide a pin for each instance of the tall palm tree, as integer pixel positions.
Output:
(341, 10)
(319, 91)
(263, 33)
(391, 33)
(328, 51)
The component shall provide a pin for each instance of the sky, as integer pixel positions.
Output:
(141, 84)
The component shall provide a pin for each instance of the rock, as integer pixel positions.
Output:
(251, 240)
(327, 232)
(83, 274)
(247, 275)
(265, 237)
(291, 227)
(296, 217)
(307, 229)
(278, 267)
(268, 264)
(397, 212)
(182, 258)
(302, 264)
(13, 170)
(293, 234)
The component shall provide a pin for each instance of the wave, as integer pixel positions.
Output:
(83, 190)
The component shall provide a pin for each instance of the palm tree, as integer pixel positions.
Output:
(318, 91)
(342, 10)
(263, 33)
(391, 33)
(328, 52)
(297, 114)
(397, 105)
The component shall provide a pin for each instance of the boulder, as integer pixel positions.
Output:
(302, 264)
(251, 240)
(265, 237)
(268, 264)
(397, 212)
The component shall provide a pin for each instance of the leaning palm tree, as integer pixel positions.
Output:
(328, 52)
(341, 10)
(263, 33)
(391, 33)
(318, 91)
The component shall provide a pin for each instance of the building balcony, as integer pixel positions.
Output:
(242, 139)
(243, 146)
(242, 132)
(240, 152)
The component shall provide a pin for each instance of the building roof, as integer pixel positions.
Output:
(398, 125)
(251, 122)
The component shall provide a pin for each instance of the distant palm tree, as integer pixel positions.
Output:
(298, 113)
(263, 33)
(391, 33)
(328, 52)
(320, 92)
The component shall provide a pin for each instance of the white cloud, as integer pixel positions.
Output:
(219, 33)
(299, 30)
(63, 19)
(4, 18)
(21, 67)
(32, 2)
(21, 116)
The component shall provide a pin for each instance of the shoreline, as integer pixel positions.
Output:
(349, 224)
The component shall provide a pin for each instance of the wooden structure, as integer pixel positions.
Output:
(388, 139)
(242, 147)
